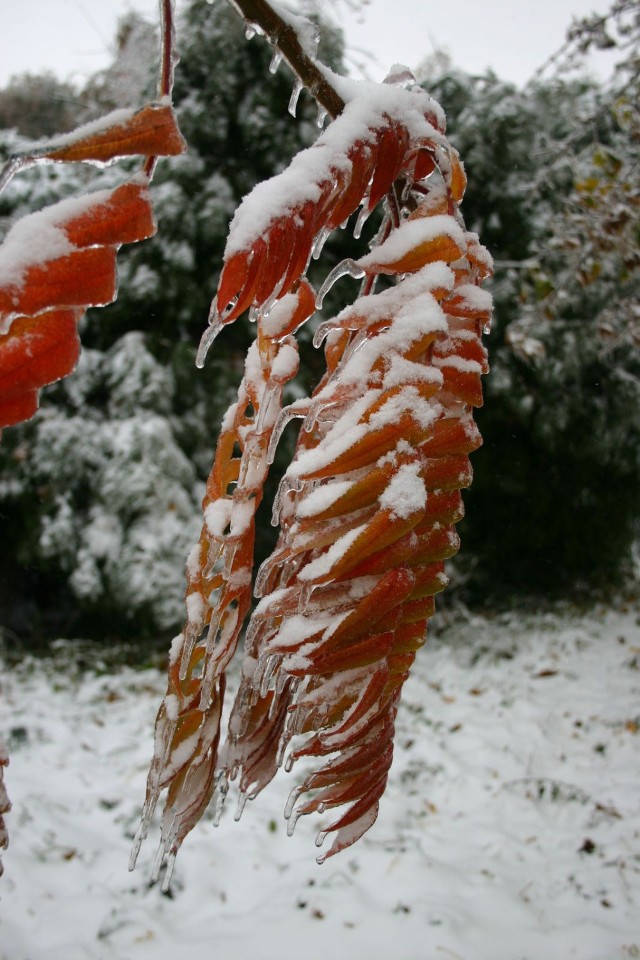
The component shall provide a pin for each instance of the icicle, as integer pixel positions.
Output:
(272, 393)
(272, 665)
(273, 706)
(322, 332)
(382, 232)
(282, 746)
(208, 337)
(318, 408)
(12, 166)
(487, 328)
(368, 286)
(276, 60)
(358, 341)
(251, 456)
(185, 657)
(220, 795)
(267, 306)
(347, 268)
(249, 30)
(298, 719)
(295, 95)
(319, 243)
(293, 819)
(209, 570)
(209, 678)
(284, 417)
(157, 863)
(229, 557)
(161, 757)
(141, 834)
(262, 578)
(281, 682)
(168, 871)
(321, 116)
(363, 216)
(254, 628)
(306, 592)
(242, 802)
(253, 313)
(286, 486)
(289, 762)
(291, 802)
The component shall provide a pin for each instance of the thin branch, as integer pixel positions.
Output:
(283, 35)
(168, 60)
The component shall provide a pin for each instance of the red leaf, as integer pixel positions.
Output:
(151, 131)
(86, 276)
(36, 351)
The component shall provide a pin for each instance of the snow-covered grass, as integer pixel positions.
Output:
(510, 829)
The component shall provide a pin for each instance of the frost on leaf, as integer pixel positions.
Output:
(368, 506)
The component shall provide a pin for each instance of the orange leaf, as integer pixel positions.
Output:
(391, 150)
(15, 408)
(86, 276)
(124, 217)
(393, 588)
(151, 131)
(36, 351)
(452, 436)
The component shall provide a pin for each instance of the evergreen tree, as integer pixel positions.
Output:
(554, 501)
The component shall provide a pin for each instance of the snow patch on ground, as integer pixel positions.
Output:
(510, 829)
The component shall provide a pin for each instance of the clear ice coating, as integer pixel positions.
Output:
(285, 486)
(321, 116)
(284, 418)
(208, 337)
(319, 243)
(346, 268)
(295, 96)
(11, 167)
(242, 802)
(271, 700)
(363, 216)
(276, 60)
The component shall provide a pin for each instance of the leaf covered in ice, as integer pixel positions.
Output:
(366, 509)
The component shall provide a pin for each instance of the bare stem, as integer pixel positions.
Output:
(167, 40)
(283, 35)
(167, 64)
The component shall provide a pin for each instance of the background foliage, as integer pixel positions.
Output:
(99, 492)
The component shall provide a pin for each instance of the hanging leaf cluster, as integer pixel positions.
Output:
(366, 509)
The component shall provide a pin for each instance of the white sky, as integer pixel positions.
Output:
(73, 37)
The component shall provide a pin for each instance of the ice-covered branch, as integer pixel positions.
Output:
(282, 33)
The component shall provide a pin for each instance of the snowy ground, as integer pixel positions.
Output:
(510, 829)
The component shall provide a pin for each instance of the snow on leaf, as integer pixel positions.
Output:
(53, 264)
(367, 506)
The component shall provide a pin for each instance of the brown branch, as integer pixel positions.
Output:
(168, 61)
(165, 81)
(285, 38)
